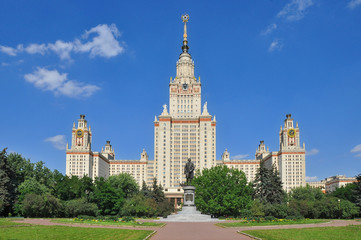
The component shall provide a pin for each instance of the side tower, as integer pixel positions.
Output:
(291, 156)
(79, 158)
(185, 131)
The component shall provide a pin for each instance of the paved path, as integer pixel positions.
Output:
(198, 231)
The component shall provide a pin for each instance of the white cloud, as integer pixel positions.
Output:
(52, 80)
(240, 156)
(313, 151)
(357, 149)
(311, 179)
(269, 29)
(354, 3)
(275, 45)
(36, 48)
(103, 44)
(295, 10)
(61, 48)
(8, 50)
(58, 141)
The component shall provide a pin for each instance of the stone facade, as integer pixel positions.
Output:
(185, 131)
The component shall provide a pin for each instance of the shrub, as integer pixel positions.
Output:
(139, 206)
(41, 206)
(128, 219)
(80, 206)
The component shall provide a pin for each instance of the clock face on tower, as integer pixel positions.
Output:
(291, 133)
(185, 86)
(79, 133)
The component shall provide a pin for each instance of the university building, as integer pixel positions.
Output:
(185, 129)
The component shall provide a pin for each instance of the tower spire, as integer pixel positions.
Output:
(185, 18)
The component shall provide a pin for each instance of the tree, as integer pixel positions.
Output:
(108, 199)
(306, 193)
(268, 185)
(7, 185)
(139, 206)
(222, 191)
(125, 182)
(81, 206)
(357, 191)
(345, 192)
(22, 167)
(157, 192)
(46, 205)
(145, 190)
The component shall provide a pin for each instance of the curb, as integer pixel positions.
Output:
(150, 235)
(249, 235)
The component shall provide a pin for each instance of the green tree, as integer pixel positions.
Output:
(145, 190)
(125, 183)
(140, 206)
(222, 191)
(108, 199)
(81, 206)
(268, 185)
(22, 167)
(357, 191)
(306, 193)
(157, 191)
(46, 205)
(7, 184)
(345, 192)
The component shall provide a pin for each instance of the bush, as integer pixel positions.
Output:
(80, 206)
(275, 210)
(128, 219)
(139, 206)
(1, 205)
(41, 206)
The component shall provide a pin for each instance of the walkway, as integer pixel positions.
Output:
(198, 231)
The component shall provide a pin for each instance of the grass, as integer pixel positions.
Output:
(320, 233)
(268, 223)
(5, 222)
(131, 224)
(65, 233)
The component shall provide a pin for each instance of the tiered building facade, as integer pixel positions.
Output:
(185, 131)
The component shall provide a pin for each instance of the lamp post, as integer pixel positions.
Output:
(339, 209)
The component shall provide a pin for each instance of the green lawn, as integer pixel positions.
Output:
(268, 223)
(4, 222)
(64, 233)
(132, 224)
(352, 232)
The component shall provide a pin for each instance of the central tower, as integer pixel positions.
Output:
(185, 131)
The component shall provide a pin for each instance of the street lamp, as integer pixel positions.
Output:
(339, 209)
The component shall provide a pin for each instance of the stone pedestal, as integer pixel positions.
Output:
(189, 194)
(189, 212)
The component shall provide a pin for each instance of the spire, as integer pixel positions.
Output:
(185, 18)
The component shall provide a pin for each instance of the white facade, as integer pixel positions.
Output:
(186, 131)
(290, 160)
(334, 182)
(81, 160)
(183, 132)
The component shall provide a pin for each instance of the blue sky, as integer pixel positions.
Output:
(112, 60)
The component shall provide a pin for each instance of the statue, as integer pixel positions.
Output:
(189, 171)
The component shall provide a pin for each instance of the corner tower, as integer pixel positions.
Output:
(291, 156)
(185, 131)
(79, 158)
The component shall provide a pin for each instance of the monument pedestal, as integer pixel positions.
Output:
(189, 194)
(189, 212)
